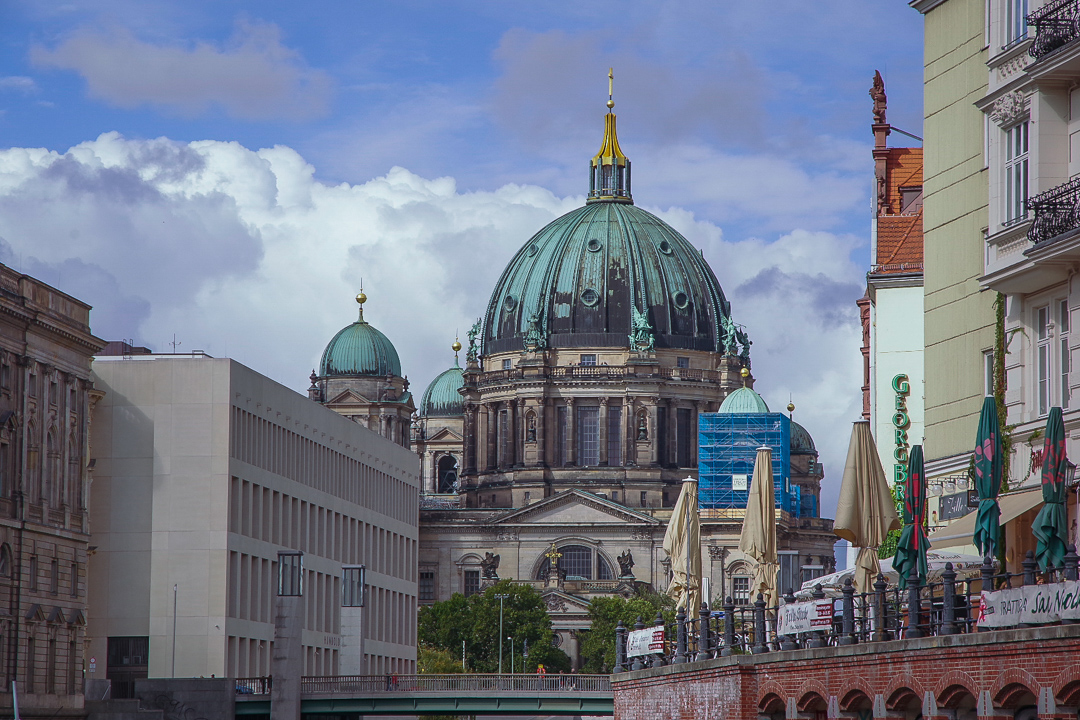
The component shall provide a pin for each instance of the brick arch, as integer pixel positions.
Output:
(770, 687)
(770, 704)
(901, 698)
(806, 694)
(1012, 686)
(953, 687)
(1067, 687)
(856, 699)
(900, 690)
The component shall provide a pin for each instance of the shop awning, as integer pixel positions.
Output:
(960, 532)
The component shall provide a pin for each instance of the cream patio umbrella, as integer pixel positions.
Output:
(758, 538)
(682, 541)
(865, 512)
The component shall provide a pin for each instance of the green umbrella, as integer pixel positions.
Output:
(912, 546)
(988, 479)
(1049, 525)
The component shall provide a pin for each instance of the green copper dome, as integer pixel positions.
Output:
(743, 401)
(442, 399)
(801, 442)
(360, 349)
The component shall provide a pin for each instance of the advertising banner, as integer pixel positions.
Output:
(804, 617)
(645, 642)
(1030, 604)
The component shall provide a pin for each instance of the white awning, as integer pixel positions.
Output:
(961, 531)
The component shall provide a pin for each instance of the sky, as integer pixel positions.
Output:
(224, 175)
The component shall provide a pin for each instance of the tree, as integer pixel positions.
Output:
(437, 661)
(475, 620)
(598, 644)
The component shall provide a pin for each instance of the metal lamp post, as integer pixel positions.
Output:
(511, 654)
(501, 597)
(524, 653)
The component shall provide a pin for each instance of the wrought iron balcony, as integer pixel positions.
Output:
(1056, 23)
(1056, 211)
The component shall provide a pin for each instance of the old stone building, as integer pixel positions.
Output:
(45, 404)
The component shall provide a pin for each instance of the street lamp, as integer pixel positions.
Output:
(501, 597)
(511, 654)
(524, 653)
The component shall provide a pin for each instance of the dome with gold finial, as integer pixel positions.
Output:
(359, 349)
(442, 399)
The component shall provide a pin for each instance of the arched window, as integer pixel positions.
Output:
(5, 560)
(51, 482)
(447, 474)
(578, 562)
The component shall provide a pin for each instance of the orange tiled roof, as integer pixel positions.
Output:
(900, 237)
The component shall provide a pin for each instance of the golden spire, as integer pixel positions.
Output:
(361, 298)
(610, 168)
(456, 348)
(610, 88)
(745, 374)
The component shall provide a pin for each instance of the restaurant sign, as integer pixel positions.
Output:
(954, 506)
(1031, 605)
(649, 641)
(804, 617)
(901, 423)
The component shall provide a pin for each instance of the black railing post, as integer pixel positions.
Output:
(881, 631)
(729, 627)
(703, 639)
(817, 638)
(638, 663)
(914, 604)
(1030, 566)
(680, 645)
(1070, 562)
(620, 648)
(948, 591)
(761, 644)
(788, 642)
(660, 659)
(848, 617)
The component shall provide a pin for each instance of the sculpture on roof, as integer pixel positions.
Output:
(877, 92)
(534, 334)
(626, 564)
(489, 566)
(745, 343)
(473, 354)
(729, 345)
(642, 337)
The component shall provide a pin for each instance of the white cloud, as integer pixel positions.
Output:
(20, 83)
(253, 77)
(245, 254)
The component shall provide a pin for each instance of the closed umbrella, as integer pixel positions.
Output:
(682, 541)
(988, 470)
(865, 512)
(912, 546)
(1050, 524)
(758, 538)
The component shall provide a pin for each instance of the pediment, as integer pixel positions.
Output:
(444, 435)
(559, 602)
(576, 507)
(348, 397)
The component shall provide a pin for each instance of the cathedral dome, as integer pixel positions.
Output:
(801, 442)
(359, 349)
(442, 399)
(603, 272)
(743, 401)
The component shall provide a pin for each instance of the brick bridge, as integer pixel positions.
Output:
(1029, 673)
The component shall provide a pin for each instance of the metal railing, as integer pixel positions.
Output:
(1056, 211)
(948, 607)
(600, 372)
(254, 685)
(1056, 23)
(453, 684)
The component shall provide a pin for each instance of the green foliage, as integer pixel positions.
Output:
(888, 548)
(437, 661)
(475, 620)
(598, 643)
(1000, 386)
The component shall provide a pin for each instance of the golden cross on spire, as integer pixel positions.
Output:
(610, 88)
(553, 555)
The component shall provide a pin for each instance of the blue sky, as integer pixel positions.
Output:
(226, 171)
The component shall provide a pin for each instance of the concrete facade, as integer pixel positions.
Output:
(205, 471)
(959, 317)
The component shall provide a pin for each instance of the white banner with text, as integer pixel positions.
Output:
(1031, 605)
(804, 617)
(645, 642)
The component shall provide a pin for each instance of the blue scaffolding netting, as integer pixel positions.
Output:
(727, 448)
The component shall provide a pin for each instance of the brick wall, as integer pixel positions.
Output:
(982, 674)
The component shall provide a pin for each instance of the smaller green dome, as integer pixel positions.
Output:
(359, 349)
(801, 442)
(442, 399)
(743, 401)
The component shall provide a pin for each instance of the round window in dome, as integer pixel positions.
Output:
(509, 303)
(594, 245)
(590, 297)
(681, 300)
(665, 247)
(532, 250)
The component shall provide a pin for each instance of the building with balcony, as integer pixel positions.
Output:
(46, 400)
(206, 471)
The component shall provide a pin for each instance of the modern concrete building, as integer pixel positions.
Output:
(46, 398)
(959, 315)
(205, 471)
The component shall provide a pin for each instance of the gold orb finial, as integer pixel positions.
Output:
(745, 373)
(791, 407)
(456, 346)
(610, 88)
(361, 298)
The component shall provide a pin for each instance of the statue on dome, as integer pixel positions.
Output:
(877, 92)
(729, 345)
(745, 342)
(642, 336)
(534, 335)
(473, 353)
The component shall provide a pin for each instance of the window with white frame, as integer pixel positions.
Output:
(1053, 362)
(1016, 172)
(1043, 330)
(1016, 20)
(740, 590)
(1064, 360)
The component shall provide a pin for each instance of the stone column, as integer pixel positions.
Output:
(469, 446)
(511, 434)
(699, 407)
(654, 432)
(571, 433)
(629, 431)
(603, 430)
(519, 434)
(541, 432)
(672, 433)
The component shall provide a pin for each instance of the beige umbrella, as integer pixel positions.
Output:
(865, 512)
(758, 539)
(685, 556)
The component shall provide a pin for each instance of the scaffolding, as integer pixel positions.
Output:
(727, 448)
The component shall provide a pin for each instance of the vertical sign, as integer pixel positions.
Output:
(901, 423)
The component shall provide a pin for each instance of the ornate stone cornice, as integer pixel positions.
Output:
(1009, 108)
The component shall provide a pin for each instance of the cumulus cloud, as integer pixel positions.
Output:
(19, 83)
(253, 76)
(246, 254)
